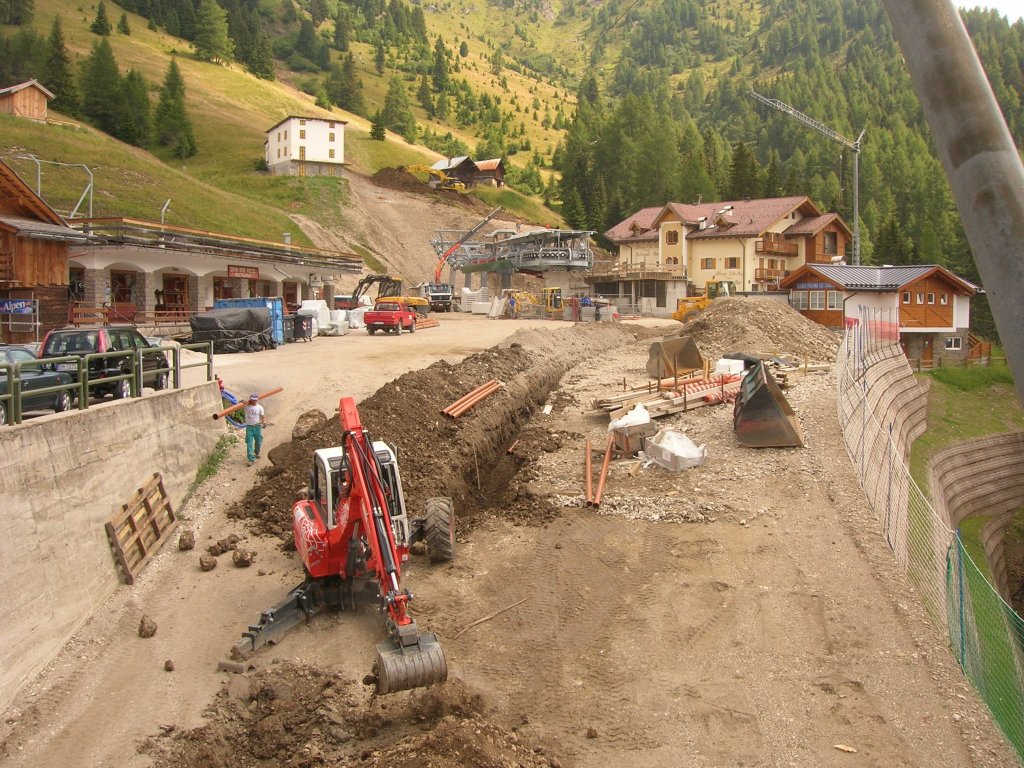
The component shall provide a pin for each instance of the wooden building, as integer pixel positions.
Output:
(460, 168)
(491, 172)
(34, 243)
(931, 306)
(27, 100)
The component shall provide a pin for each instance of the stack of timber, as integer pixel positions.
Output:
(672, 397)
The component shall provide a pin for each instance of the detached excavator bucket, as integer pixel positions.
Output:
(401, 667)
(674, 356)
(762, 417)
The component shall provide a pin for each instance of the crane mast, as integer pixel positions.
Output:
(853, 146)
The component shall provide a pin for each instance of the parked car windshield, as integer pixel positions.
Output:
(387, 307)
(14, 355)
(74, 341)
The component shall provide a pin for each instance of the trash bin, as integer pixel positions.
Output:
(288, 324)
(303, 327)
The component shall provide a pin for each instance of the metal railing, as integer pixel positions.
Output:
(82, 385)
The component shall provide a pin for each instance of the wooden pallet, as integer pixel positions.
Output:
(138, 531)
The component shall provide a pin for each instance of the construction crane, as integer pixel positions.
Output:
(853, 146)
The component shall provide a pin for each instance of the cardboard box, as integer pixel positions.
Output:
(631, 439)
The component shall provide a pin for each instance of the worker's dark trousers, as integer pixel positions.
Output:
(253, 440)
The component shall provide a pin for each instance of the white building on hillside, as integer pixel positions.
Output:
(305, 146)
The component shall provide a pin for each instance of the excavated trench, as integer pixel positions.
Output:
(473, 459)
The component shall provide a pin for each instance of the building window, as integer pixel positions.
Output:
(330, 153)
(672, 237)
(831, 244)
(331, 125)
(732, 262)
(931, 298)
(302, 153)
(278, 153)
(302, 134)
(835, 299)
(707, 263)
(302, 122)
(943, 299)
(798, 299)
(906, 297)
(920, 297)
(330, 137)
(954, 344)
(286, 135)
(816, 300)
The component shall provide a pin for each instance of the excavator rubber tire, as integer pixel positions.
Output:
(401, 669)
(439, 529)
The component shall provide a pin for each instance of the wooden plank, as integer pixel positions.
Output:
(144, 523)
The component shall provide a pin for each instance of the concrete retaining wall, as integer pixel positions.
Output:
(61, 478)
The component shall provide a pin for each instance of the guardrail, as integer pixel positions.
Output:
(11, 402)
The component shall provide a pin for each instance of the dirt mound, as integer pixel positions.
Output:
(400, 179)
(301, 716)
(754, 326)
(466, 459)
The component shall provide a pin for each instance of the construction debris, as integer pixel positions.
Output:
(674, 356)
(762, 417)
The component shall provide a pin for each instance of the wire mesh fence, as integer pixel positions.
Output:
(880, 414)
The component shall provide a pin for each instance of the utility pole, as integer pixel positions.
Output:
(853, 146)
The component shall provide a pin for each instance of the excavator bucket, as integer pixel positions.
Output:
(762, 417)
(401, 667)
(674, 356)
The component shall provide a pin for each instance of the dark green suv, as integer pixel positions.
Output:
(83, 341)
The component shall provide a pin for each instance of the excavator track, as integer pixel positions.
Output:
(400, 668)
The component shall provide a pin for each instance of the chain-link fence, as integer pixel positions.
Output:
(881, 411)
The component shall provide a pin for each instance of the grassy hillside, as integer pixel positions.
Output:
(219, 188)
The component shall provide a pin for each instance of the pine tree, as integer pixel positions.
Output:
(17, 12)
(172, 127)
(101, 24)
(261, 59)
(378, 58)
(135, 122)
(464, 49)
(439, 70)
(122, 25)
(344, 87)
(57, 75)
(377, 130)
(397, 113)
(101, 87)
(212, 41)
(424, 95)
(342, 29)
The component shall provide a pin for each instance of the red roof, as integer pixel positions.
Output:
(636, 227)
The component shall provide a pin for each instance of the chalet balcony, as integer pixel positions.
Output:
(770, 275)
(775, 246)
(637, 270)
(823, 257)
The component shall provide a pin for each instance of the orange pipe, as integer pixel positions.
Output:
(240, 406)
(470, 399)
(604, 472)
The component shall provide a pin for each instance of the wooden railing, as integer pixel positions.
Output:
(120, 314)
(769, 274)
(775, 246)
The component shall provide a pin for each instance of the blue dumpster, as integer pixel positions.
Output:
(274, 304)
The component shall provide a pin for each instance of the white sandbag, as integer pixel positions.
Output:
(674, 451)
(638, 415)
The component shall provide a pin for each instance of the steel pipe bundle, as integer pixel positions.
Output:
(467, 401)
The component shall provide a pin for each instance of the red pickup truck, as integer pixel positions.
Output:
(392, 315)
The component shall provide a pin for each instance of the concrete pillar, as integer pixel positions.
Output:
(506, 280)
(203, 295)
(193, 293)
(96, 284)
(469, 280)
(146, 287)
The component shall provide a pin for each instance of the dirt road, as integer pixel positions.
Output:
(741, 613)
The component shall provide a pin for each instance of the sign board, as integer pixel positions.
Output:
(249, 273)
(17, 306)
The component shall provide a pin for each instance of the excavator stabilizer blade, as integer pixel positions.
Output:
(400, 668)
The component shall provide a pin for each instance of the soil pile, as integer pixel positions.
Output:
(296, 715)
(733, 324)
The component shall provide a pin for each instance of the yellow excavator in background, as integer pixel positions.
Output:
(689, 307)
(437, 179)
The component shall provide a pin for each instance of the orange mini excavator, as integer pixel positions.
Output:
(352, 534)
